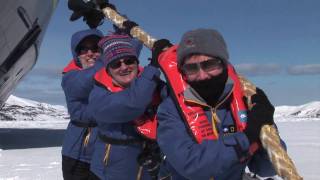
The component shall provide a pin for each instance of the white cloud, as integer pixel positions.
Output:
(307, 69)
(251, 69)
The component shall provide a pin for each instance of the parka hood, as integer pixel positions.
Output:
(79, 36)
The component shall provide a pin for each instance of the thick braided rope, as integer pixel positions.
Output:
(269, 135)
(135, 32)
(270, 140)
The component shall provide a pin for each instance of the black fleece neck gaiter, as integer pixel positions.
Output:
(211, 89)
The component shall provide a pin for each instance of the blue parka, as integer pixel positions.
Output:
(77, 85)
(114, 113)
(217, 159)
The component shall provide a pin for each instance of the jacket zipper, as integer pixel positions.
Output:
(215, 119)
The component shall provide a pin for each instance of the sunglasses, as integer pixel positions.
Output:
(117, 64)
(84, 49)
(208, 65)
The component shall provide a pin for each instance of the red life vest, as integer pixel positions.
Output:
(146, 124)
(71, 66)
(192, 112)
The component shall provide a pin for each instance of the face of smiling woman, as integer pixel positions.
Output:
(88, 52)
(123, 71)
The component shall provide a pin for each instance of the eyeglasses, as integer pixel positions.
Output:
(117, 64)
(84, 49)
(206, 66)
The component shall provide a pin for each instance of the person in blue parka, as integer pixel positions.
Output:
(122, 94)
(198, 135)
(77, 83)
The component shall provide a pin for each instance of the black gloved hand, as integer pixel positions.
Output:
(90, 11)
(80, 5)
(260, 114)
(93, 18)
(158, 48)
(151, 159)
(127, 26)
(79, 8)
(104, 3)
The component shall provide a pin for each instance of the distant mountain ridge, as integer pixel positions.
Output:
(18, 112)
(307, 111)
(23, 110)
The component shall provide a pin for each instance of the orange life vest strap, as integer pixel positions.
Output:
(238, 107)
(103, 78)
(71, 66)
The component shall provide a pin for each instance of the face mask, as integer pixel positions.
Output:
(211, 89)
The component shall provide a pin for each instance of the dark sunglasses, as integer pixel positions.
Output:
(117, 64)
(84, 49)
(206, 66)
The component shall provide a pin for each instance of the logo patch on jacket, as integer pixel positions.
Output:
(243, 116)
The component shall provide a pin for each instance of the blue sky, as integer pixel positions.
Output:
(275, 44)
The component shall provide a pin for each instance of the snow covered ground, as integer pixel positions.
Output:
(30, 149)
(303, 143)
(33, 163)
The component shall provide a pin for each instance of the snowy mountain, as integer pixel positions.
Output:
(309, 111)
(23, 113)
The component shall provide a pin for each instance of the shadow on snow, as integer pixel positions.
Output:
(30, 138)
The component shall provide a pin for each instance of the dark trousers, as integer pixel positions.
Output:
(92, 176)
(73, 169)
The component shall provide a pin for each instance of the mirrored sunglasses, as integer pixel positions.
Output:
(117, 64)
(208, 65)
(85, 49)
